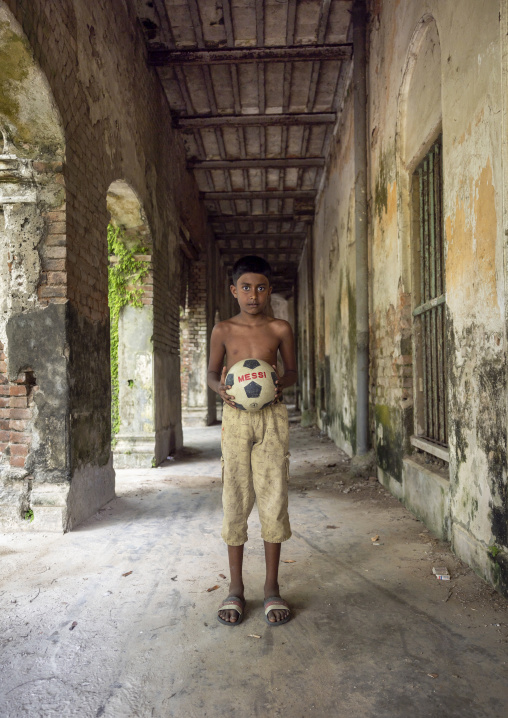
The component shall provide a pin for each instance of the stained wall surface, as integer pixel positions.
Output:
(434, 70)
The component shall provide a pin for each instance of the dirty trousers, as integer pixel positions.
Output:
(255, 466)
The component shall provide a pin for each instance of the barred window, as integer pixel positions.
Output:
(431, 416)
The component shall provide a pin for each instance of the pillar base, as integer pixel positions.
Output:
(195, 416)
(134, 452)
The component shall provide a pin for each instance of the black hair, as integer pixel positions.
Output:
(254, 265)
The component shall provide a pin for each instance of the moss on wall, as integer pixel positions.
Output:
(389, 424)
(125, 276)
(15, 63)
(386, 162)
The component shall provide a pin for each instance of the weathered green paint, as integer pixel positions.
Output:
(381, 187)
(15, 62)
(389, 439)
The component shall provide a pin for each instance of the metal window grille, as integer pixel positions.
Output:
(431, 310)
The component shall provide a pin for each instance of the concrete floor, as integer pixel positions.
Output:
(114, 619)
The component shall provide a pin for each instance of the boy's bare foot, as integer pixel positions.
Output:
(231, 611)
(230, 614)
(277, 611)
(280, 613)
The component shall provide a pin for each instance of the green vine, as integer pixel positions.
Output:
(125, 277)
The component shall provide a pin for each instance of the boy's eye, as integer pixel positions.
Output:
(245, 287)
(261, 289)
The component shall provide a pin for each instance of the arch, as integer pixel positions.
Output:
(419, 125)
(131, 312)
(419, 117)
(34, 390)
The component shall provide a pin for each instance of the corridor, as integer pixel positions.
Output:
(116, 618)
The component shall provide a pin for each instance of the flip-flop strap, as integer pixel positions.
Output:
(232, 604)
(276, 604)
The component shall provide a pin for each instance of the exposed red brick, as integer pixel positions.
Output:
(19, 450)
(57, 277)
(20, 437)
(18, 461)
(19, 402)
(18, 390)
(52, 291)
(20, 413)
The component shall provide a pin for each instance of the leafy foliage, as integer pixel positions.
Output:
(125, 278)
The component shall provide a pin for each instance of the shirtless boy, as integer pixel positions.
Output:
(255, 445)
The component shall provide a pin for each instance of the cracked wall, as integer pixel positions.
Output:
(432, 71)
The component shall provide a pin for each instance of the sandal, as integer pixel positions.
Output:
(232, 603)
(274, 603)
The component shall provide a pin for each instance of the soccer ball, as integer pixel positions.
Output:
(252, 384)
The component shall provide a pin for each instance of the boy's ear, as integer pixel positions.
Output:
(233, 291)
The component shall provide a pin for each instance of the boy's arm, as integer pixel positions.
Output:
(287, 352)
(216, 371)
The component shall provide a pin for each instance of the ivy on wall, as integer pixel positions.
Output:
(125, 278)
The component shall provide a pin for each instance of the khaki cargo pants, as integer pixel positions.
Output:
(255, 466)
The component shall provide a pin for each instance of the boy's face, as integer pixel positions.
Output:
(252, 291)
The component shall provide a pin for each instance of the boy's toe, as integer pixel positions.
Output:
(231, 610)
(277, 610)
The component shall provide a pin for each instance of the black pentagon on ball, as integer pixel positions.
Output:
(230, 380)
(274, 378)
(251, 363)
(253, 390)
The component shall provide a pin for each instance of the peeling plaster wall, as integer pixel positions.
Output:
(335, 282)
(433, 67)
(434, 36)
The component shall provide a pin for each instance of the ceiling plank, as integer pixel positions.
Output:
(263, 163)
(196, 22)
(324, 13)
(228, 22)
(291, 22)
(260, 22)
(301, 53)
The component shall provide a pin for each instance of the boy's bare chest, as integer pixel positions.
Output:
(252, 342)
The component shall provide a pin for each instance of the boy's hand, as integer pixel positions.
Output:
(222, 390)
(278, 386)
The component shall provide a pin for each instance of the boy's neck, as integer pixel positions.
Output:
(252, 319)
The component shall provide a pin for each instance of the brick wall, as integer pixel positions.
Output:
(391, 373)
(193, 338)
(16, 415)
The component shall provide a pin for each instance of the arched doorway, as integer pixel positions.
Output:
(34, 390)
(131, 313)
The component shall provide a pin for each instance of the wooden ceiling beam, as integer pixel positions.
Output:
(264, 163)
(274, 194)
(220, 218)
(300, 53)
(300, 236)
(311, 118)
